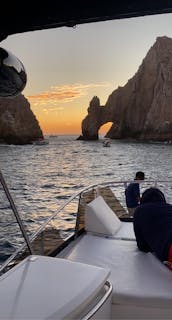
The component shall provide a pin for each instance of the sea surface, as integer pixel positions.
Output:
(41, 178)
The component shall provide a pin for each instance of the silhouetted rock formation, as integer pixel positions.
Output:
(18, 124)
(142, 109)
(97, 116)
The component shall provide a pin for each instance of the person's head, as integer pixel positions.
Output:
(152, 195)
(139, 175)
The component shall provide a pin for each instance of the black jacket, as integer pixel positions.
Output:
(153, 228)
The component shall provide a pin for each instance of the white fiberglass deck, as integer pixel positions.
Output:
(142, 285)
(49, 288)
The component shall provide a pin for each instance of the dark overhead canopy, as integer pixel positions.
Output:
(18, 18)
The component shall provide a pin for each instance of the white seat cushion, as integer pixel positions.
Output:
(100, 219)
(125, 232)
(138, 278)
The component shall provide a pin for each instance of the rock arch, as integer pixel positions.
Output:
(142, 109)
(96, 118)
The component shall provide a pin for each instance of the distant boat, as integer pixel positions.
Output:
(52, 136)
(40, 142)
(106, 143)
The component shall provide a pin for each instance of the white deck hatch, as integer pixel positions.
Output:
(44, 287)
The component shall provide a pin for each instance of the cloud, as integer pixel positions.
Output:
(53, 109)
(63, 94)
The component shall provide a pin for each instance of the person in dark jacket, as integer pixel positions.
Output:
(132, 193)
(153, 225)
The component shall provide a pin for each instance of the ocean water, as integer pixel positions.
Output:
(41, 178)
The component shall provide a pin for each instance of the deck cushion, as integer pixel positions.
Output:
(138, 278)
(100, 219)
(125, 232)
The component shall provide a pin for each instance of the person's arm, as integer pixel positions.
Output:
(137, 192)
(138, 199)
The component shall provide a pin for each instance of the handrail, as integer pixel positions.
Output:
(78, 193)
(14, 209)
(74, 196)
(108, 286)
(85, 189)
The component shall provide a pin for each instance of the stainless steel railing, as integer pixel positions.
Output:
(77, 196)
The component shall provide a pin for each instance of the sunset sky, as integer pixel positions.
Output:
(66, 67)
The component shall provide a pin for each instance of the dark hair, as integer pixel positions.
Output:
(152, 195)
(140, 175)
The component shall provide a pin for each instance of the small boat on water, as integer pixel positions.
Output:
(40, 142)
(53, 136)
(106, 143)
(98, 272)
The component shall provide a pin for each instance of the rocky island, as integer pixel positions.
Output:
(18, 124)
(142, 109)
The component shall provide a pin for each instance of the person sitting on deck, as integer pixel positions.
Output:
(132, 193)
(153, 225)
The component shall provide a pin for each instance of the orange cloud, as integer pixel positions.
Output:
(63, 93)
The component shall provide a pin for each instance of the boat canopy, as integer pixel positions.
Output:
(16, 18)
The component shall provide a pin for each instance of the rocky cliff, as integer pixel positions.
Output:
(142, 109)
(18, 124)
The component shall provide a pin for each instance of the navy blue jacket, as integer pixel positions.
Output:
(132, 193)
(153, 228)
